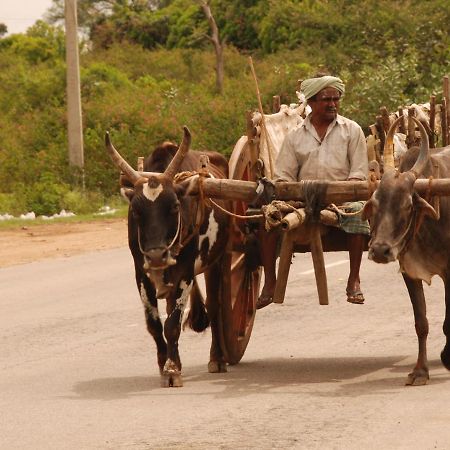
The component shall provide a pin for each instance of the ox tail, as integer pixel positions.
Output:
(197, 318)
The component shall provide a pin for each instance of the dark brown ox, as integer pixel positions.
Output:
(173, 236)
(407, 228)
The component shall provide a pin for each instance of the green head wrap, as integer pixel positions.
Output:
(312, 86)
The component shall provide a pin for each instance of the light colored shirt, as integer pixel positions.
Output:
(342, 154)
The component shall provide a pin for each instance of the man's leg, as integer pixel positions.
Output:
(356, 243)
(268, 248)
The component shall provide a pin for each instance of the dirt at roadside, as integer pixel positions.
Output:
(36, 242)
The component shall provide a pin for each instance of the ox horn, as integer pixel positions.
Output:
(388, 151)
(174, 165)
(118, 160)
(424, 155)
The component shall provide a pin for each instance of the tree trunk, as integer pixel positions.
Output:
(218, 46)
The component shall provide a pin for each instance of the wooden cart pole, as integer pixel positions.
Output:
(444, 124)
(432, 121)
(263, 120)
(446, 95)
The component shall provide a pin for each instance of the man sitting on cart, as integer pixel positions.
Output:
(326, 146)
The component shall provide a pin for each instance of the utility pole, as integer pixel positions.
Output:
(74, 123)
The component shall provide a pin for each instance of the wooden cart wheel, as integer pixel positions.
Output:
(240, 284)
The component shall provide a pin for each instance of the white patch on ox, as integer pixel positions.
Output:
(152, 193)
(185, 291)
(147, 305)
(211, 235)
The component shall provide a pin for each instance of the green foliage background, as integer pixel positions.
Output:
(148, 70)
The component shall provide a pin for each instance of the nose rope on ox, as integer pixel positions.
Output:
(403, 236)
(170, 261)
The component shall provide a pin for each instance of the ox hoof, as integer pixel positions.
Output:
(417, 378)
(217, 367)
(171, 380)
(445, 357)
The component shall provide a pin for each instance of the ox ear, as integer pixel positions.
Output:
(425, 208)
(181, 189)
(127, 193)
(367, 211)
(185, 187)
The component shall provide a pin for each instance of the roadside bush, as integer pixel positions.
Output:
(46, 196)
(82, 202)
(11, 204)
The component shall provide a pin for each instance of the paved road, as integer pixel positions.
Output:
(78, 371)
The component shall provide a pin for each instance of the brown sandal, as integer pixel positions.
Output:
(264, 300)
(355, 297)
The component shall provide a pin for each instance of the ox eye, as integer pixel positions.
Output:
(175, 208)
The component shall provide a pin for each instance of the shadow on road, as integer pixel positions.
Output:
(324, 377)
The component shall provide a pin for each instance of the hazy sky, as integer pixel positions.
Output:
(18, 15)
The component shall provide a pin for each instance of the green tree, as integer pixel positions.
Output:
(3, 29)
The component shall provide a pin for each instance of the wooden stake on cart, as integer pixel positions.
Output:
(381, 134)
(444, 124)
(401, 125)
(385, 118)
(263, 120)
(411, 134)
(446, 94)
(432, 121)
(276, 103)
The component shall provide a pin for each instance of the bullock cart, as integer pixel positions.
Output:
(250, 163)
(241, 275)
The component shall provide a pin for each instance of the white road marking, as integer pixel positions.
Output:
(327, 266)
